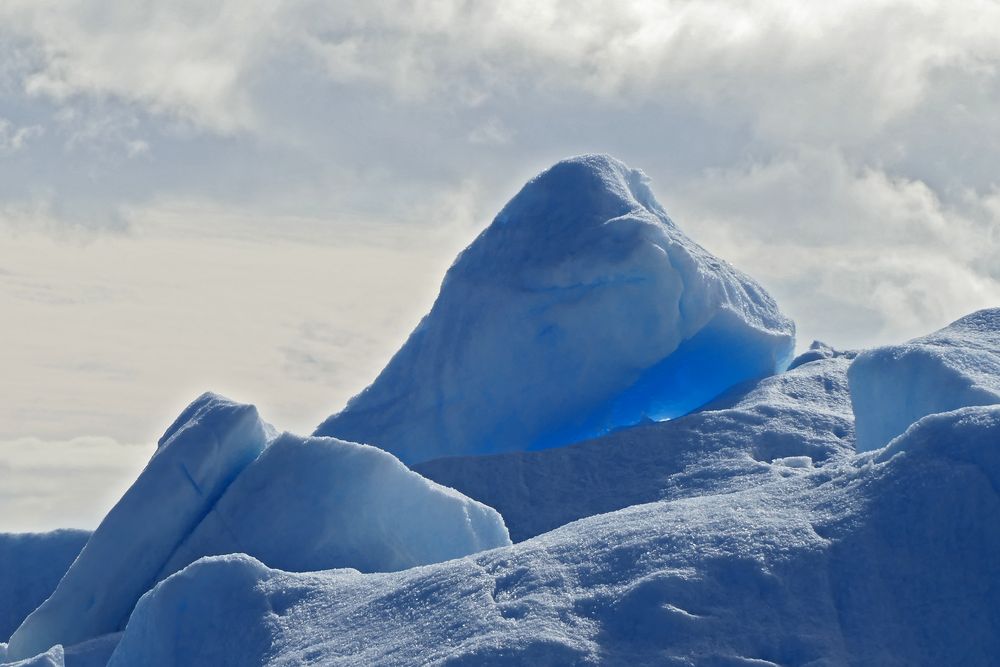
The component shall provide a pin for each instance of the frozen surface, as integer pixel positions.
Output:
(894, 386)
(580, 309)
(54, 657)
(31, 564)
(886, 559)
(184, 478)
(802, 413)
(316, 503)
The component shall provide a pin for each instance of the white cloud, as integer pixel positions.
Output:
(830, 237)
(178, 58)
(492, 131)
(804, 71)
(13, 139)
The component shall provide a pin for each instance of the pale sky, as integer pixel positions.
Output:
(261, 198)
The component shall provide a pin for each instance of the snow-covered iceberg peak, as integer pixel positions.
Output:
(894, 386)
(580, 309)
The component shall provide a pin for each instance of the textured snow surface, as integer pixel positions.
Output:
(316, 503)
(120, 562)
(31, 564)
(54, 657)
(894, 386)
(802, 413)
(91, 653)
(882, 559)
(580, 309)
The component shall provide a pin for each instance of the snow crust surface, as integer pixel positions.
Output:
(878, 559)
(894, 386)
(580, 309)
(31, 564)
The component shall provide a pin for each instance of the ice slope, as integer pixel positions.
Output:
(894, 386)
(218, 483)
(315, 503)
(884, 559)
(31, 564)
(581, 308)
(803, 416)
(196, 461)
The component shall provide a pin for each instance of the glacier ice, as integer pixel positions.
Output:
(31, 564)
(802, 413)
(317, 503)
(581, 308)
(120, 561)
(894, 386)
(874, 559)
(220, 482)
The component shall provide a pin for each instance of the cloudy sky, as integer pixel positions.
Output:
(262, 197)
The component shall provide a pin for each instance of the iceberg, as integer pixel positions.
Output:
(582, 308)
(194, 464)
(595, 385)
(894, 386)
(221, 482)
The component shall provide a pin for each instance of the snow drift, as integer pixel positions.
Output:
(894, 386)
(581, 308)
